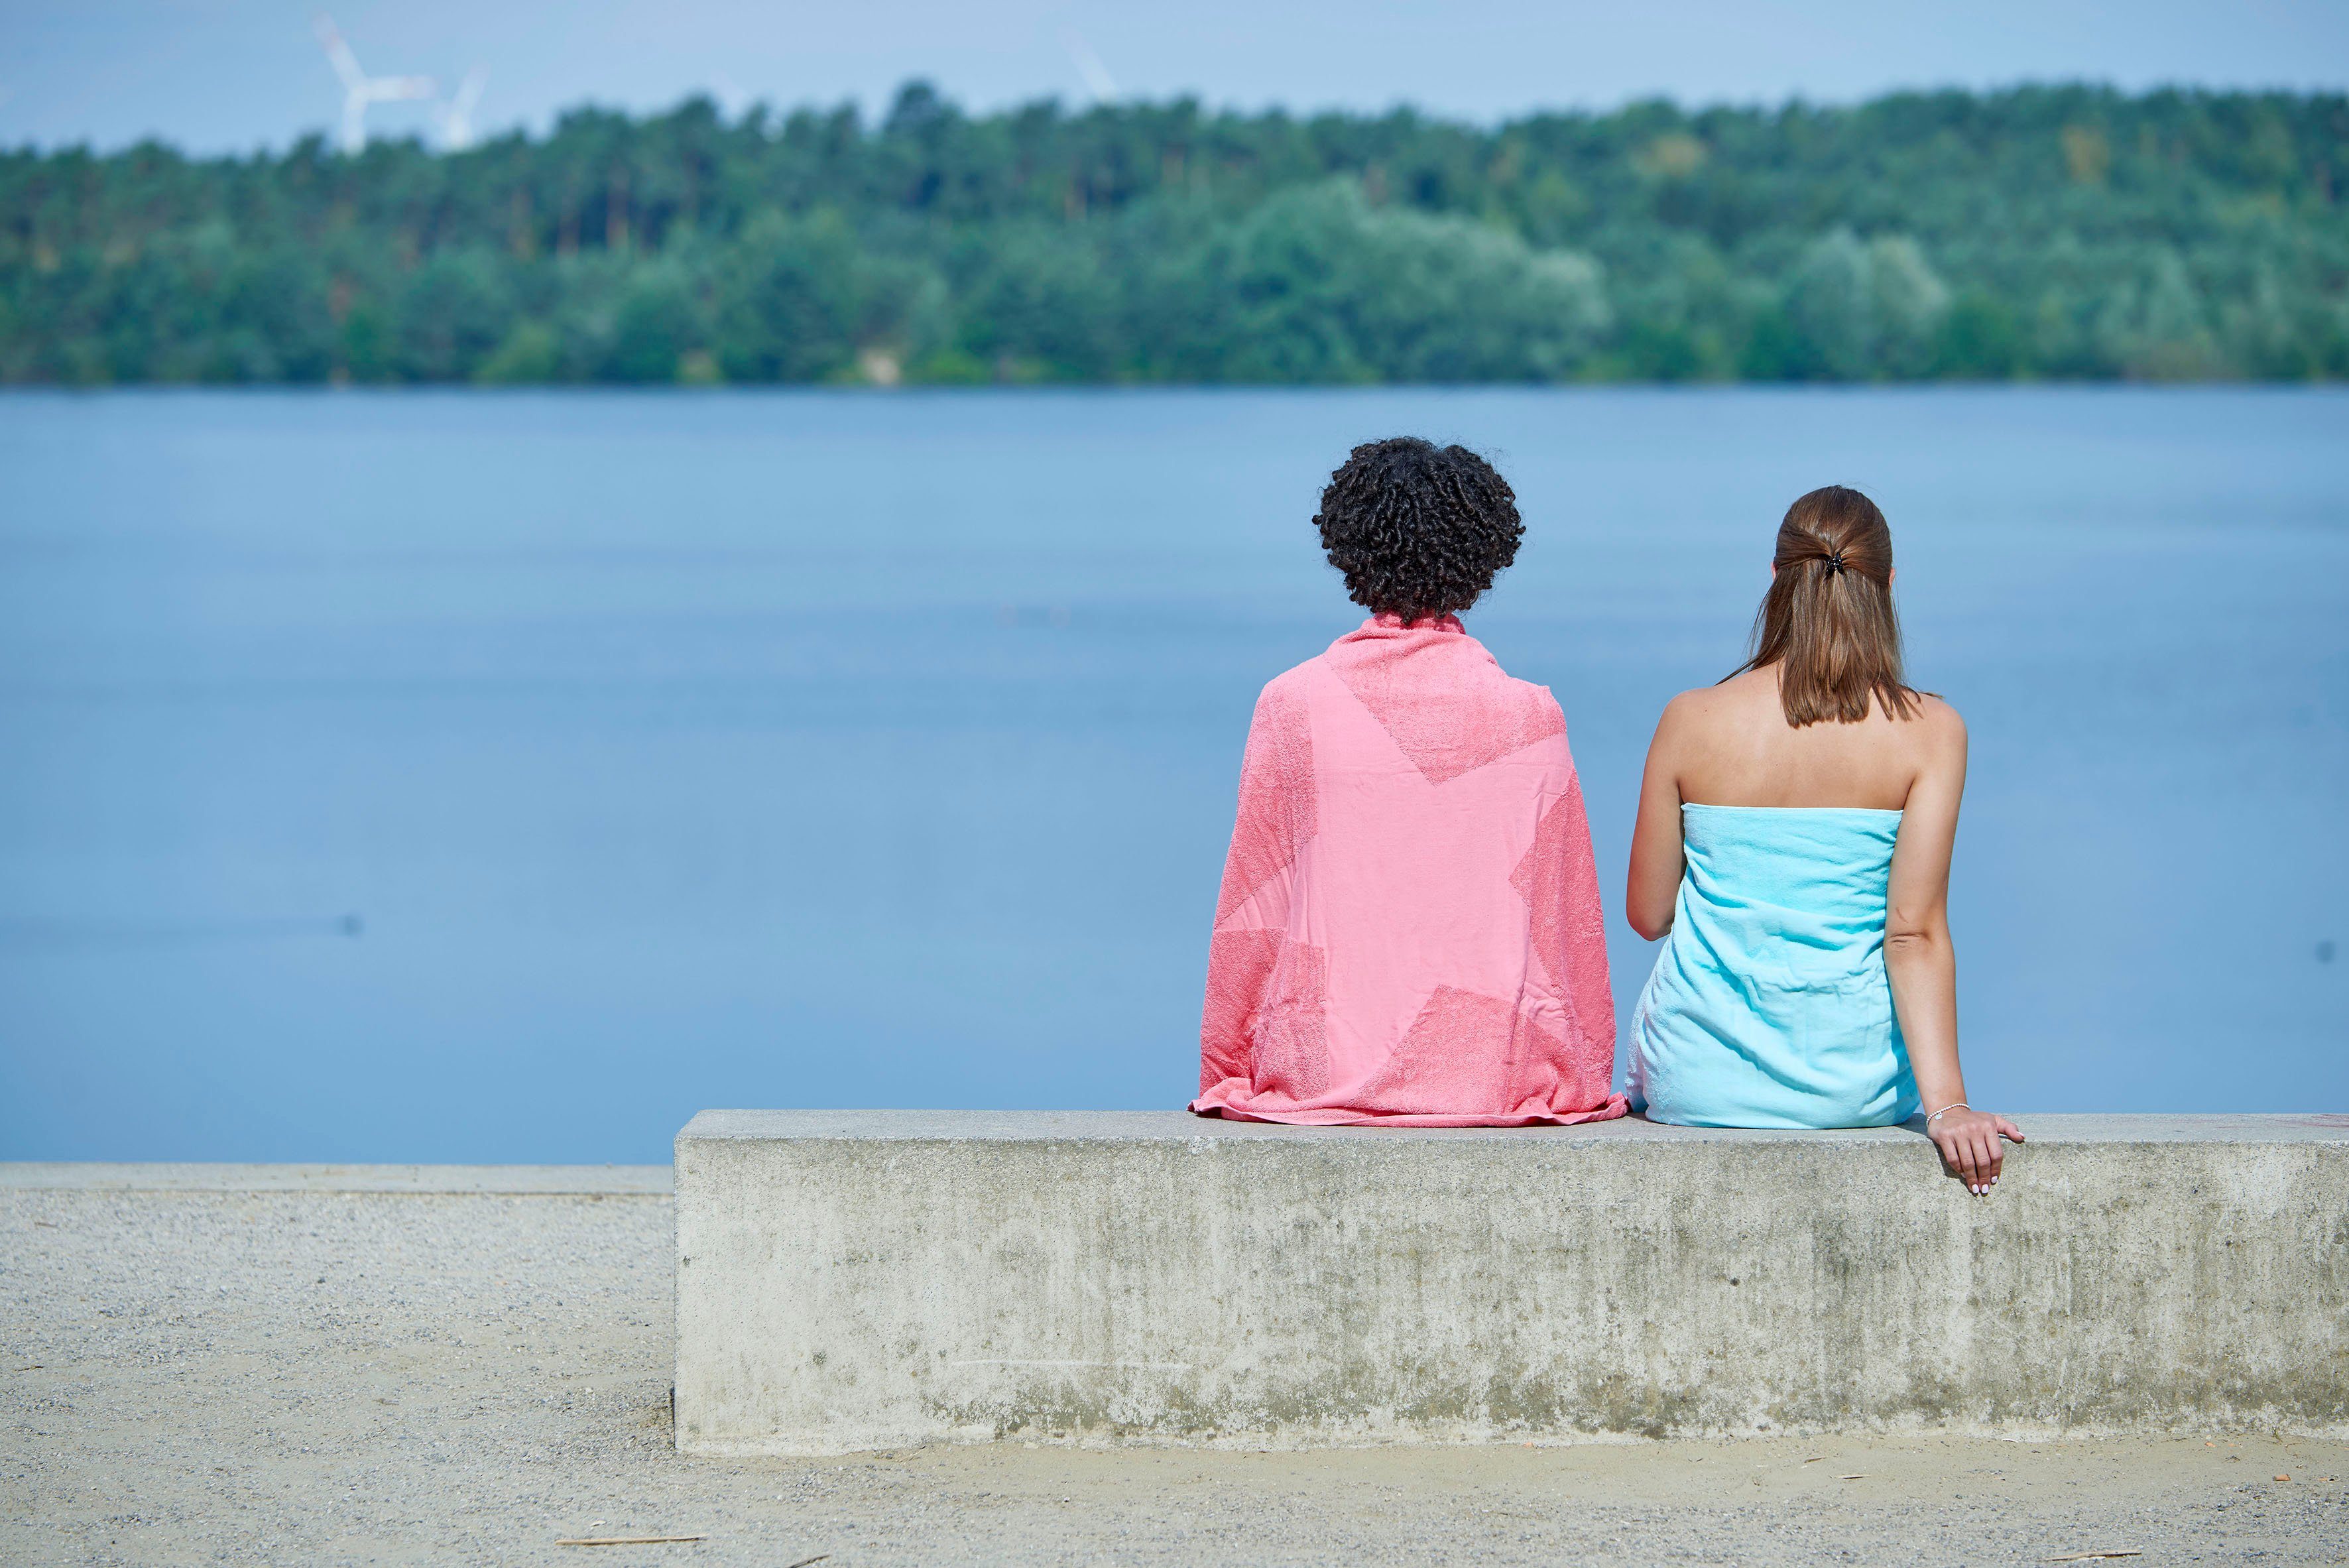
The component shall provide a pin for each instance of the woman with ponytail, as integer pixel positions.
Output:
(1792, 851)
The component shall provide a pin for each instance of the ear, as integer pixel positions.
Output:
(1891, 576)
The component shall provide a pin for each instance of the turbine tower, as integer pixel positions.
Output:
(456, 116)
(359, 90)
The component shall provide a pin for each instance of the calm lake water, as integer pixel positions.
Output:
(504, 776)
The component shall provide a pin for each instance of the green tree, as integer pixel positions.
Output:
(658, 325)
(1318, 286)
(451, 314)
(792, 303)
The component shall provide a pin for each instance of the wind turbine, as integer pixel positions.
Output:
(359, 90)
(456, 116)
(1098, 81)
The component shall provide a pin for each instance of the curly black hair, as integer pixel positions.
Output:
(1419, 529)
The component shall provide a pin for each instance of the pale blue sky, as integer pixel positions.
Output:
(236, 74)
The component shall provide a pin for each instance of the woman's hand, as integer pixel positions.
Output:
(1969, 1142)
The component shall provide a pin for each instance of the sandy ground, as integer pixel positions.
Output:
(313, 1379)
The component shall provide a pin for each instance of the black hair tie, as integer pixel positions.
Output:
(1835, 562)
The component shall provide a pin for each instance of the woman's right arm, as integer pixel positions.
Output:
(1657, 858)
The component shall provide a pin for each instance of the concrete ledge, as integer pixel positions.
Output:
(852, 1280)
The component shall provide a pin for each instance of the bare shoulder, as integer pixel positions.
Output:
(1685, 707)
(1934, 742)
(1688, 716)
(1703, 705)
(1699, 725)
(1941, 728)
(1735, 705)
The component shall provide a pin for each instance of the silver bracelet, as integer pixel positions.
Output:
(1953, 1105)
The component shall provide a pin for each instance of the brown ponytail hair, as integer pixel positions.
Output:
(1827, 622)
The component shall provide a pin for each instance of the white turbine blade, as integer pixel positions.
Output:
(398, 89)
(1098, 81)
(456, 116)
(339, 54)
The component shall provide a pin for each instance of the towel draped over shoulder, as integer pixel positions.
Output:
(1409, 930)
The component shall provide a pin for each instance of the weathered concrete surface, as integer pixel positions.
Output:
(855, 1280)
(258, 1366)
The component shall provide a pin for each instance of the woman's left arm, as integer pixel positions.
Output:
(1921, 965)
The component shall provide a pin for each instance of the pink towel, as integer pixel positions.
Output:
(1409, 930)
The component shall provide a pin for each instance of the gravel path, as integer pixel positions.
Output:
(319, 1376)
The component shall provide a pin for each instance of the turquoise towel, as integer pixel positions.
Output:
(1769, 1005)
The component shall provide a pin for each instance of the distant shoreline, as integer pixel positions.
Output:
(2058, 233)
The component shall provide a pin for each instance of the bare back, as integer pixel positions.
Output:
(1730, 745)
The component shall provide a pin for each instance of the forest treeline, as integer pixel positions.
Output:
(2046, 232)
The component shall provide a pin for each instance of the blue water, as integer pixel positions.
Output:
(504, 776)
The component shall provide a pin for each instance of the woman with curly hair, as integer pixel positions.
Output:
(1793, 853)
(1409, 930)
